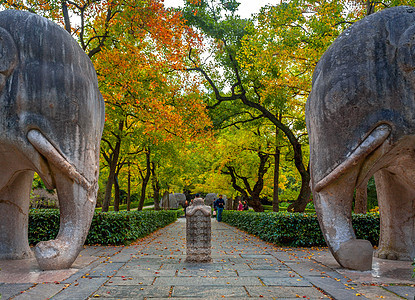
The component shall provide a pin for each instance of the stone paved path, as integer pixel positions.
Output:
(242, 267)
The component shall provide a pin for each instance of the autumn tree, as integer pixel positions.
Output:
(263, 68)
(137, 48)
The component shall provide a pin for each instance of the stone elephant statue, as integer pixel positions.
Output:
(51, 121)
(360, 117)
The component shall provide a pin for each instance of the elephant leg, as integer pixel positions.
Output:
(76, 211)
(14, 214)
(396, 205)
(334, 205)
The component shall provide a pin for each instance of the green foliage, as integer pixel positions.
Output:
(124, 227)
(43, 225)
(372, 199)
(111, 228)
(37, 183)
(297, 229)
(283, 207)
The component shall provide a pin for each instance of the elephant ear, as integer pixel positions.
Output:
(8, 56)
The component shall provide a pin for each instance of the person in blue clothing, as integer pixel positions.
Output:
(220, 205)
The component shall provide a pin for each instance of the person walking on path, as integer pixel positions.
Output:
(185, 205)
(246, 205)
(240, 206)
(220, 204)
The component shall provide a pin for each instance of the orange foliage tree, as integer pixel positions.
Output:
(140, 81)
(138, 48)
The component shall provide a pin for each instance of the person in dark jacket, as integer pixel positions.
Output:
(246, 205)
(220, 205)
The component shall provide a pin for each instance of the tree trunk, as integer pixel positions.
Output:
(116, 194)
(254, 201)
(275, 195)
(113, 167)
(360, 203)
(305, 192)
(129, 188)
(300, 204)
(156, 187)
(67, 20)
(370, 7)
(259, 185)
(236, 201)
(145, 179)
(277, 156)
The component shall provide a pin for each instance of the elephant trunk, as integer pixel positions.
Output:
(333, 206)
(75, 220)
(77, 199)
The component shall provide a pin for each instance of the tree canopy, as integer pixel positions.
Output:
(200, 99)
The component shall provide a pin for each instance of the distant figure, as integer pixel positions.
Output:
(240, 206)
(197, 196)
(185, 205)
(246, 205)
(220, 204)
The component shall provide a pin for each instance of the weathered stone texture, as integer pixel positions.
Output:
(361, 122)
(51, 121)
(173, 200)
(198, 232)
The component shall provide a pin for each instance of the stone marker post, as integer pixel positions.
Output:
(198, 232)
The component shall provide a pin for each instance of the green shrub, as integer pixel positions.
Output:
(43, 225)
(133, 205)
(111, 228)
(296, 229)
(309, 207)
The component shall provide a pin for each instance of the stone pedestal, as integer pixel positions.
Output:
(198, 232)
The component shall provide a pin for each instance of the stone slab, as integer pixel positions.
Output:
(147, 266)
(136, 272)
(204, 292)
(310, 268)
(405, 291)
(40, 291)
(376, 292)
(285, 292)
(268, 273)
(208, 273)
(105, 269)
(157, 260)
(8, 290)
(284, 281)
(124, 280)
(268, 267)
(334, 288)
(81, 289)
(207, 281)
(132, 292)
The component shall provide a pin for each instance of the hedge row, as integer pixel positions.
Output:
(111, 228)
(297, 229)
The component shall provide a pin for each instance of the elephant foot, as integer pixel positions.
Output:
(391, 255)
(355, 255)
(54, 255)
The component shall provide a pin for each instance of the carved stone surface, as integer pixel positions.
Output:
(172, 200)
(198, 232)
(51, 121)
(361, 121)
(180, 198)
